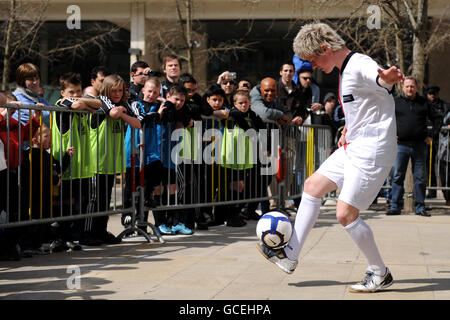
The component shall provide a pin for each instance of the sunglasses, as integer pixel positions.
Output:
(306, 78)
(229, 82)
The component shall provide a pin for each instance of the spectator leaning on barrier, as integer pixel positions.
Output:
(9, 238)
(72, 130)
(210, 189)
(439, 108)
(190, 170)
(108, 156)
(175, 116)
(149, 113)
(37, 190)
(264, 102)
(246, 173)
(29, 92)
(411, 112)
(194, 103)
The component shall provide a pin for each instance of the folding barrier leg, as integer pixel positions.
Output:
(140, 222)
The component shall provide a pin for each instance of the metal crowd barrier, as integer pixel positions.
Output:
(65, 198)
(203, 160)
(208, 168)
(441, 163)
(306, 149)
(213, 164)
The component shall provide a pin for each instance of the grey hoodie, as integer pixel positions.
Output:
(265, 110)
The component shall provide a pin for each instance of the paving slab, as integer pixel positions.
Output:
(222, 263)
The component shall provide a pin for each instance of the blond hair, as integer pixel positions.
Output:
(311, 36)
(153, 80)
(241, 93)
(110, 82)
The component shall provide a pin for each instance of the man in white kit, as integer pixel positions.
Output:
(367, 151)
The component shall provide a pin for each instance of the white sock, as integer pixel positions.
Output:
(307, 214)
(363, 237)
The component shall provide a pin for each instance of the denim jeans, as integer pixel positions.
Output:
(417, 153)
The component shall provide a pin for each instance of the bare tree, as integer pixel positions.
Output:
(184, 37)
(23, 30)
(19, 34)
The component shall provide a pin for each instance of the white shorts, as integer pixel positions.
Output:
(359, 187)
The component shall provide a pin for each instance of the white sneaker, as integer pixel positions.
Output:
(372, 282)
(278, 257)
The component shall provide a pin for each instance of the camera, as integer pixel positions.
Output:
(154, 74)
(169, 113)
(232, 75)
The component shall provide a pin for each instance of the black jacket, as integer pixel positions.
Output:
(135, 92)
(197, 106)
(412, 118)
(171, 114)
(297, 101)
(247, 120)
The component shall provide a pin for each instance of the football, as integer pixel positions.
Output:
(274, 229)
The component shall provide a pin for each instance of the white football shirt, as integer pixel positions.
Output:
(369, 114)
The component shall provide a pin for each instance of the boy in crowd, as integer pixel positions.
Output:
(174, 117)
(41, 174)
(9, 193)
(211, 172)
(106, 138)
(190, 170)
(243, 174)
(149, 113)
(71, 129)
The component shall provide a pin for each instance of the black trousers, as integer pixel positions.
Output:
(102, 192)
(76, 197)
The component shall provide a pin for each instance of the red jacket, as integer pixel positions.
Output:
(14, 142)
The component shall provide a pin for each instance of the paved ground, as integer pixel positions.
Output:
(223, 264)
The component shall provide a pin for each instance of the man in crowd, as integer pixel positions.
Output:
(291, 96)
(139, 73)
(172, 69)
(98, 74)
(265, 103)
(411, 112)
